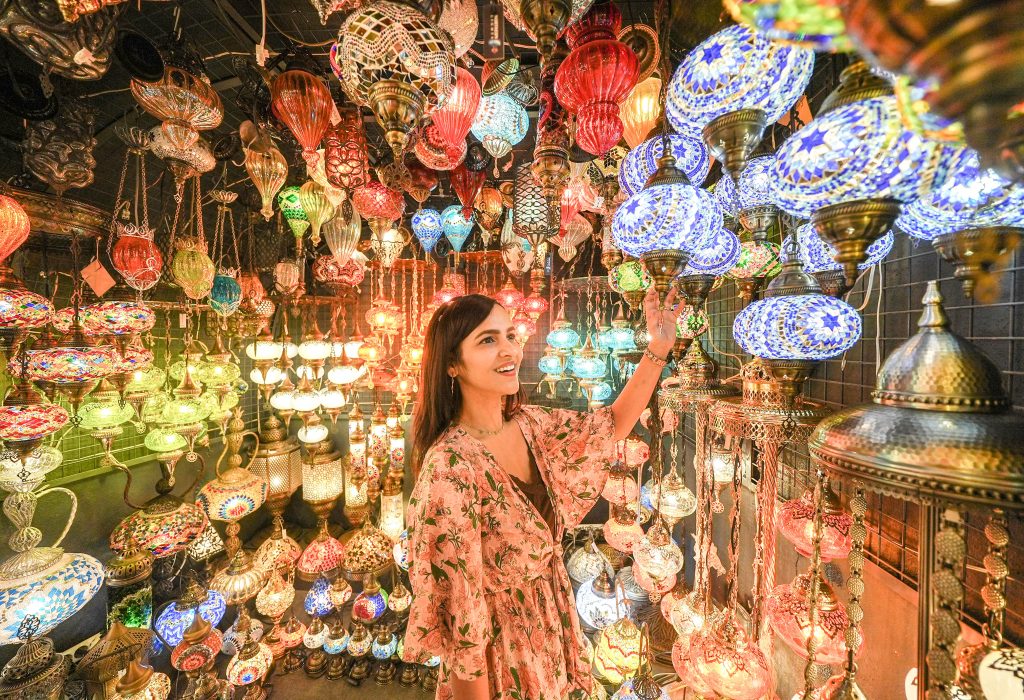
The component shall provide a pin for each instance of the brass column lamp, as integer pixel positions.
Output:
(277, 461)
(322, 481)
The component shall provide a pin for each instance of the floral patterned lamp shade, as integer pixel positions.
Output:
(728, 661)
(788, 612)
(318, 601)
(796, 524)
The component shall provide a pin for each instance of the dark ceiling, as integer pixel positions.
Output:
(225, 32)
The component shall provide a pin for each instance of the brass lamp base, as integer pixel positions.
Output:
(974, 255)
(546, 19)
(850, 227)
(696, 288)
(748, 287)
(759, 220)
(397, 107)
(733, 137)
(664, 266)
(790, 376)
(833, 282)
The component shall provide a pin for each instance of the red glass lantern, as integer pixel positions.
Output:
(595, 77)
(345, 152)
(509, 297)
(467, 185)
(137, 258)
(453, 119)
(253, 291)
(435, 152)
(376, 201)
(534, 305)
(303, 102)
(14, 226)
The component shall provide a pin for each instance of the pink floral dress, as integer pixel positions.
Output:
(491, 591)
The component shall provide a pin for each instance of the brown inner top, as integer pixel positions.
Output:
(537, 494)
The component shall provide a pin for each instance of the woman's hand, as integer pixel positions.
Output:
(661, 320)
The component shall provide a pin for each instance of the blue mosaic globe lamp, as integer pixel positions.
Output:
(456, 226)
(707, 264)
(975, 221)
(500, 123)
(794, 326)
(640, 163)
(731, 86)
(427, 227)
(852, 168)
(818, 258)
(664, 222)
(318, 601)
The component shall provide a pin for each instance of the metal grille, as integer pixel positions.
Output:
(889, 319)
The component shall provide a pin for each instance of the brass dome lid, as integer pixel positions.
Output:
(960, 444)
(938, 370)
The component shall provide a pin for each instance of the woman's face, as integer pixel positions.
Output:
(490, 356)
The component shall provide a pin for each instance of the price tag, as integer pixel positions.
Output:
(97, 277)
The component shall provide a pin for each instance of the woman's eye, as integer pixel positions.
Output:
(512, 336)
(488, 339)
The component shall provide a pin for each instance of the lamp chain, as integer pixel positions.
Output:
(732, 596)
(855, 583)
(812, 594)
(948, 590)
(993, 593)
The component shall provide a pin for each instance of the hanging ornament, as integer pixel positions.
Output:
(453, 119)
(596, 76)
(225, 293)
(640, 110)
(342, 232)
(467, 185)
(426, 224)
(398, 63)
(457, 226)
(421, 180)
(500, 123)
(192, 268)
(301, 100)
(345, 159)
(59, 151)
(268, 170)
(184, 101)
(461, 19)
(290, 204)
(489, 208)
(318, 208)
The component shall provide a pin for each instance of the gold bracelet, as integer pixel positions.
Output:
(659, 361)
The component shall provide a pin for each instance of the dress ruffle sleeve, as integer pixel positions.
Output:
(449, 616)
(579, 448)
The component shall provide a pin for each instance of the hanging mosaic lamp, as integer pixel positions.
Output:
(15, 224)
(596, 76)
(454, 118)
(814, 24)
(640, 163)
(500, 123)
(617, 651)
(379, 204)
(268, 170)
(719, 255)
(318, 208)
(818, 258)
(426, 224)
(291, 209)
(225, 293)
(456, 226)
(302, 101)
(640, 110)
(433, 151)
(979, 92)
(732, 86)
(345, 154)
(402, 79)
(796, 524)
(974, 221)
(663, 222)
(562, 335)
(794, 326)
(184, 101)
(26, 419)
(853, 165)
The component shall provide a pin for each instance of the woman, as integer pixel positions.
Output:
(498, 484)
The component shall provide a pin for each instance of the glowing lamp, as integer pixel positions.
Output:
(788, 613)
(728, 661)
(796, 523)
(510, 297)
(456, 226)
(318, 601)
(371, 603)
(15, 224)
(178, 616)
(617, 652)
(621, 531)
(718, 256)
(454, 118)
(596, 602)
(291, 209)
(562, 335)
(640, 110)
(427, 226)
(797, 327)
(657, 554)
(303, 103)
(640, 163)
(384, 645)
(500, 123)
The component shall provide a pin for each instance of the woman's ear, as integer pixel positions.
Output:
(452, 372)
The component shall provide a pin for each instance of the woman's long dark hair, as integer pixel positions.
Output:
(439, 400)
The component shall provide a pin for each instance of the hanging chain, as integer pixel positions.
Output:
(948, 589)
(855, 583)
(732, 579)
(813, 591)
(993, 593)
